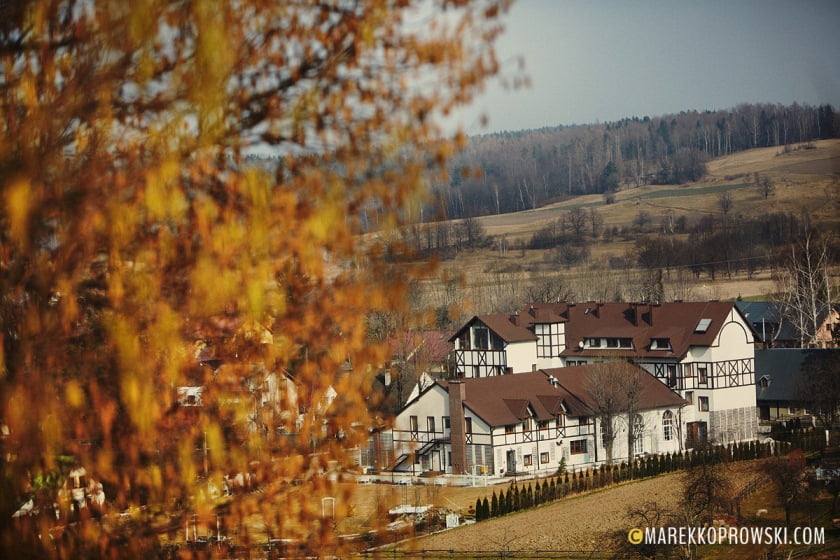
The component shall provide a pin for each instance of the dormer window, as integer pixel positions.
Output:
(619, 343)
(764, 381)
(660, 344)
(592, 342)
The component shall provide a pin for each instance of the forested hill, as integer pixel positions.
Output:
(511, 171)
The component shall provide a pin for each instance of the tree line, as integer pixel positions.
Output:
(513, 171)
(520, 497)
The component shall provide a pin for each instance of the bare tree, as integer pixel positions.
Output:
(766, 187)
(616, 389)
(596, 221)
(725, 203)
(706, 488)
(648, 514)
(577, 220)
(805, 286)
(547, 288)
(790, 479)
(605, 386)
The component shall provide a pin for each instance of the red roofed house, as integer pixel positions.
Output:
(704, 351)
(527, 423)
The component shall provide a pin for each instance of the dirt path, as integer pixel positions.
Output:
(577, 523)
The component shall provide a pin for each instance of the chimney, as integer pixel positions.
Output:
(514, 318)
(457, 427)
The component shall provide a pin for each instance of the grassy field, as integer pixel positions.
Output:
(586, 522)
(807, 181)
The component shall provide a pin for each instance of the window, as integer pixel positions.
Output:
(468, 422)
(481, 336)
(703, 402)
(583, 420)
(577, 446)
(430, 423)
(544, 457)
(638, 434)
(625, 342)
(543, 424)
(526, 459)
(639, 445)
(702, 325)
(592, 342)
(446, 425)
(412, 425)
(612, 343)
(606, 434)
(548, 340)
(526, 425)
(668, 425)
(702, 374)
(689, 396)
(660, 344)
(510, 429)
(672, 375)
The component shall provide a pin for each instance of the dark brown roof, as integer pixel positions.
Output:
(507, 327)
(506, 399)
(653, 393)
(675, 321)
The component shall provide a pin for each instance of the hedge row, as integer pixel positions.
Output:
(520, 496)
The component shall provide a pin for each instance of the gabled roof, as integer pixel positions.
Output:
(505, 326)
(653, 393)
(519, 326)
(505, 399)
(784, 369)
(684, 324)
(508, 399)
(767, 320)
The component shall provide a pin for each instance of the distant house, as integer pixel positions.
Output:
(527, 424)
(773, 328)
(769, 325)
(702, 350)
(781, 381)
(828, 334)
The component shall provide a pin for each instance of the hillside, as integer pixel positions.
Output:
(806, 179)
(498, 275)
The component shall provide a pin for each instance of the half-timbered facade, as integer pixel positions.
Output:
(527, 424)
(704, 351)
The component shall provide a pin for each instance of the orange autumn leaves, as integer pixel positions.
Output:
(142, 251)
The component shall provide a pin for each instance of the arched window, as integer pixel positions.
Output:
(638, 434)
(668, 425)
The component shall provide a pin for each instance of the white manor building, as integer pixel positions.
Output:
(703, 352)
(530, 423)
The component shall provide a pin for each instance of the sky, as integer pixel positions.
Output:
(600, 61)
